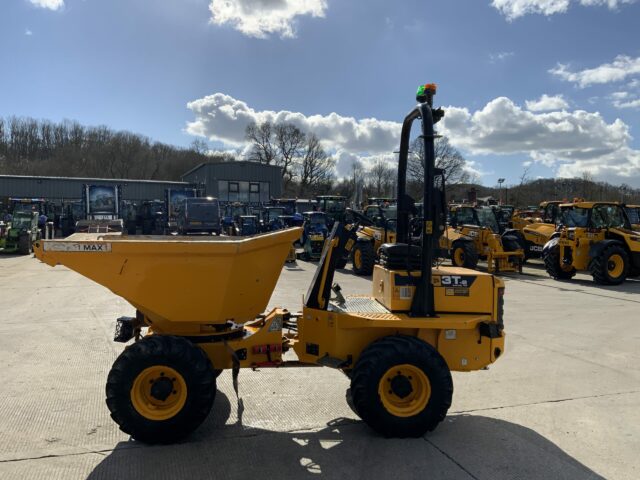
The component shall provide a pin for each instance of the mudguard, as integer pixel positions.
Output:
(513, 232)
(551, 243)
(596, 249)
(364, 238)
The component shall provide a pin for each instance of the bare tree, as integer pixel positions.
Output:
(447, 156)
(289, 143)
(199, 146)
(380, 178)
(316, 167)
(524, 178)
(260, 136)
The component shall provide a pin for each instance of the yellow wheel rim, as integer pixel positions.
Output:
(357, 258)
(404, 390)
(158, 393)
(615, 265)
(458, 256)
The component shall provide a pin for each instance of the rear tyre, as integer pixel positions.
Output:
(611, 267)
(553, 265)
(401, 387)
(24, 244)
(363, 258)
(160, 389)
(463, 254)
(510, 243)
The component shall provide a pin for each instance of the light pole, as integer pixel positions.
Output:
(500, 182)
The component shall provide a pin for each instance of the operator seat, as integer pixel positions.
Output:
(400, 256)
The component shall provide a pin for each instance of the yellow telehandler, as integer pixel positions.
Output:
(398, 346)
(473, 234)
(377, 227)
(596, 237)
(535, 232)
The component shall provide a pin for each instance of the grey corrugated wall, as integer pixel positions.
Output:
(57, 188)
(210, 173)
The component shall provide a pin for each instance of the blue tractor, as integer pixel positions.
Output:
(315, 232)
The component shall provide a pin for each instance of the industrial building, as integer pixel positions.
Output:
(70, 188)
(248, 182)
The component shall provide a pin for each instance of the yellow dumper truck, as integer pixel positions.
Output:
(397, 345)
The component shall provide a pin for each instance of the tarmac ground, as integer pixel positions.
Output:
(563, 402)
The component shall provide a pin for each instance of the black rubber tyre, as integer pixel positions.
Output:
(463, 254)
(382, 356)
(24, 245)
(510, 243)
(600, 266)
(342, 262)
(176, 353)
(367, 258)
(552, 265)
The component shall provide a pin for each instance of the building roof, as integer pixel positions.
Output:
(233, 162)
(93, 179)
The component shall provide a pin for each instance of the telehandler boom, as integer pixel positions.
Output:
(397, 346)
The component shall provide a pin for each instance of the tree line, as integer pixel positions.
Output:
(67, 148)
(41, 147)
(530, 192)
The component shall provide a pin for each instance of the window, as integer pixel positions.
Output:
(234, 191)
(607, 216)
(254, 192)
(464, 216)
(223, 190)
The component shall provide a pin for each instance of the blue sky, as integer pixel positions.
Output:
(347, 70)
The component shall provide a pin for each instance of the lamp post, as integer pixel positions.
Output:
(500, 182)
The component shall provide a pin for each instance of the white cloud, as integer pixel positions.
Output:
(622, 67)
(499, 56)
(565, 141)
(28, 32)
(513, 9)
(625, 100)
(502, 127)
(547, 103)
(223, 118)
(259, 18)
(50, 4)
(568, 142)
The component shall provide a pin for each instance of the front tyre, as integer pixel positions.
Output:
(160, 389)
(401, 387)
(554, 266)
(363, 258)
(463, 254)
(611, 267)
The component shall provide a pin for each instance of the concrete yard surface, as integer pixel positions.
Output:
(563, 402)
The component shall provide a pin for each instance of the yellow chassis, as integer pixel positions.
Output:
(336, 339)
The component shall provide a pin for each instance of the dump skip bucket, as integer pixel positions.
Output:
(204, 280)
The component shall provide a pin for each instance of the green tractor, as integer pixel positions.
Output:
(335, 206)
(22, 233)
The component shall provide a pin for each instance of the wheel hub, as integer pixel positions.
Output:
(404, 390)
(161, 388)
(158, 392)
(401, 386)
